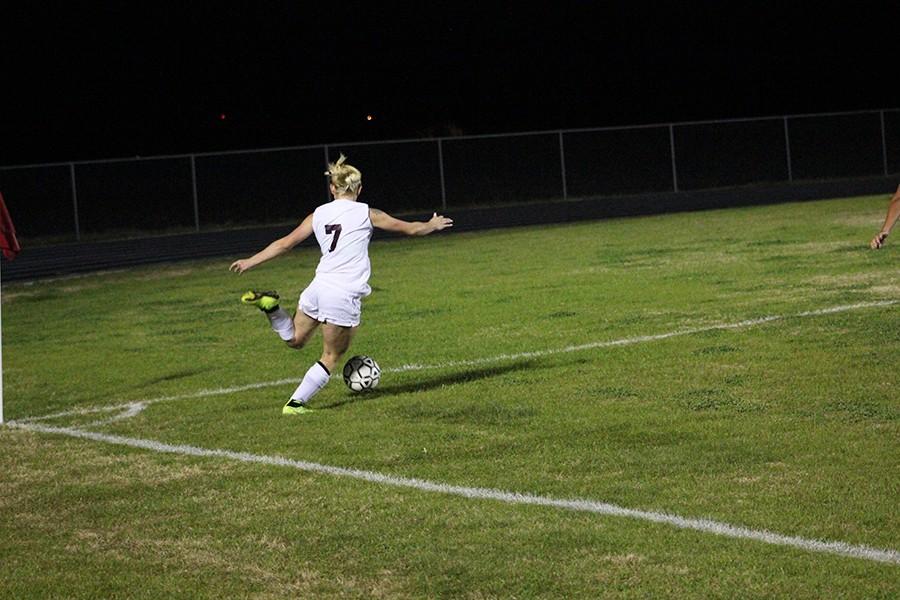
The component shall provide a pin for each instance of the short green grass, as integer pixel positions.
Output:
(791, 426)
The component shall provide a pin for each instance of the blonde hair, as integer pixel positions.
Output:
(345, 178)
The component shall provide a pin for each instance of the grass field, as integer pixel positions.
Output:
(734, 369)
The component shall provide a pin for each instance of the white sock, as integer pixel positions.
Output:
(282, 323)
(314, 380)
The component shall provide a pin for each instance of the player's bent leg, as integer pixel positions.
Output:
(304, 327)
(335, 342)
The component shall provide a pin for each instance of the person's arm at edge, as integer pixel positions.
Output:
(892, 214)
(276, 248)
(382, 220)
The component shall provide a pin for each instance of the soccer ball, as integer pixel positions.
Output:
(361, 373)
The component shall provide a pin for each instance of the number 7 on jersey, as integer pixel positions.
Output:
(336, 230)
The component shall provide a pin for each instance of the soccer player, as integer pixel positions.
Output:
(343, 228)
(889, 220)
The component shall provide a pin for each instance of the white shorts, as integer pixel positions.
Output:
(328, 304)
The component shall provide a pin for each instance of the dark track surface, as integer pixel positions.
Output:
(53, 261)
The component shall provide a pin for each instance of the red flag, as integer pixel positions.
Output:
(8, 242)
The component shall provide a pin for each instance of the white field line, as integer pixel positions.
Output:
(143, 403)
(646, 338)
(581, 505)
(471, 362)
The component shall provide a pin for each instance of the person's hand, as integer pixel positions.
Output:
(239, 266)
(878, 241)
(439, 222)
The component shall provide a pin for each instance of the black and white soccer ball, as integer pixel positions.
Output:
(362, 373)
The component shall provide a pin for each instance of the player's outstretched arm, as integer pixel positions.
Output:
(382, 220)
(892, 214)
(276, 248)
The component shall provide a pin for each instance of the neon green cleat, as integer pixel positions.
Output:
(264, 301)
(295, 408)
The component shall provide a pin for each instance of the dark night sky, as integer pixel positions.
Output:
(111, 80)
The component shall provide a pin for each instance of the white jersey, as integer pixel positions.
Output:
(343, 230)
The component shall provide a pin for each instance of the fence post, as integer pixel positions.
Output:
(787, 150)
(562, 166)
(327, 179)
(194, 192)
(75, 200)
(672, 151)
(441, 170)
(883, 144)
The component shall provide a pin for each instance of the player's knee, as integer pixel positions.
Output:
(298, 341)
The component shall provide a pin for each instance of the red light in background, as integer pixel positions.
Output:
(222, 116)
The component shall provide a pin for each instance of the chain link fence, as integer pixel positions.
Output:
(229, 189)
